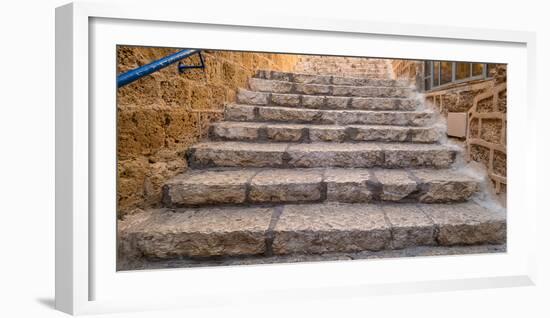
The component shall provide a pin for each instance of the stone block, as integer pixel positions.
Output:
(286, 185)
(348, 185)
(252, 98)
(324, 228)
(410, 226)
(205, 232)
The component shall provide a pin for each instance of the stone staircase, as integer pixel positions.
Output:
(312, 164)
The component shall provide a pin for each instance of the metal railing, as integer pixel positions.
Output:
(137, 73)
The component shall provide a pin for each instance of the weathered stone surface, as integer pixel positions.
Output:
(204, 232)
(334, 102)
(289, 100)
(252, 98)
(322, 228)
(327, 133)
(288, 115)
(236, 154)
(235, 130)
(334, 155)
(313, 89)
(445, 185)
(467, 223)
(348, 185)
(239, 112)
(425, 134)
(383, 103)
(261, 85)
(395, 184)
(417, 155)
(318, 133)
(339, 117)
(354, 81)
(284, 132)
(327, 79)
(315, 102)
(286, 185)
(361, 117)
(311, 79)
(371, 91)
(378, 133)
(409, 226)
(201, 187)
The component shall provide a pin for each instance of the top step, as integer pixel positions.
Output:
(328, 79)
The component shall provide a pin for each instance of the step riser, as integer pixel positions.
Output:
(297, 158)
(305, 229)
(307, 134)
(324, 102)
(281, 87)
(332, 190)
(328, 80)
(325, 117)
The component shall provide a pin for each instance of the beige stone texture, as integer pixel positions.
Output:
(205, 232)
(322, 228)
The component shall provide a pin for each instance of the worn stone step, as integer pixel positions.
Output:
(283, 87)
(305, 229)
(328, 79)
(302, 155)
(237, 112)
(279, 132)
(275, 186)
(377, 102)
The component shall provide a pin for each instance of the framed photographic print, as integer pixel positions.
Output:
(211, 159)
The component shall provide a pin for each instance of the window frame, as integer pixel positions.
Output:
(430, 75)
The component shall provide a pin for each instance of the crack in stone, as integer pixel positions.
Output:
(270, 234)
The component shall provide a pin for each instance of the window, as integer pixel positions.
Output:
(439, 73)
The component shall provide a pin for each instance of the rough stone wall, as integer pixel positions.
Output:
(485, 102)
(344, 66)
(157, 117)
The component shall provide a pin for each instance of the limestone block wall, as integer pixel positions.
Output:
(486, 104)
(343, 66)
(157, 118)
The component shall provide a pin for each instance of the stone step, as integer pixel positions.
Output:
(247, 97)
(305, 229)
(282, 87)
(237, 112)
(302, 155)
(328, 79)
(279, 132)
(276, 186)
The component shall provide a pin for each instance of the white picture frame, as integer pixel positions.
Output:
(87, 282)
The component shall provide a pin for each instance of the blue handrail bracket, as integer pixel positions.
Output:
(137, 73)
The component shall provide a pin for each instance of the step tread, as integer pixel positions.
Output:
(284, 87)
(328, 79)
(326, 101)
(320, 154)
(290, 115)
(264, 185)
(281, 132)
(288, 229)
(318, 146)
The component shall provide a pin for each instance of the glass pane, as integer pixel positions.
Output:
(436, 73)
(477, 69)
(462, 70)
(446, 75)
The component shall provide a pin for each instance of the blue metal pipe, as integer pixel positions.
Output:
(135, 74)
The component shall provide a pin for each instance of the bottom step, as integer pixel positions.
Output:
(305, 229)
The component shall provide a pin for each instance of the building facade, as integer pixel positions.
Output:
(476, 90)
